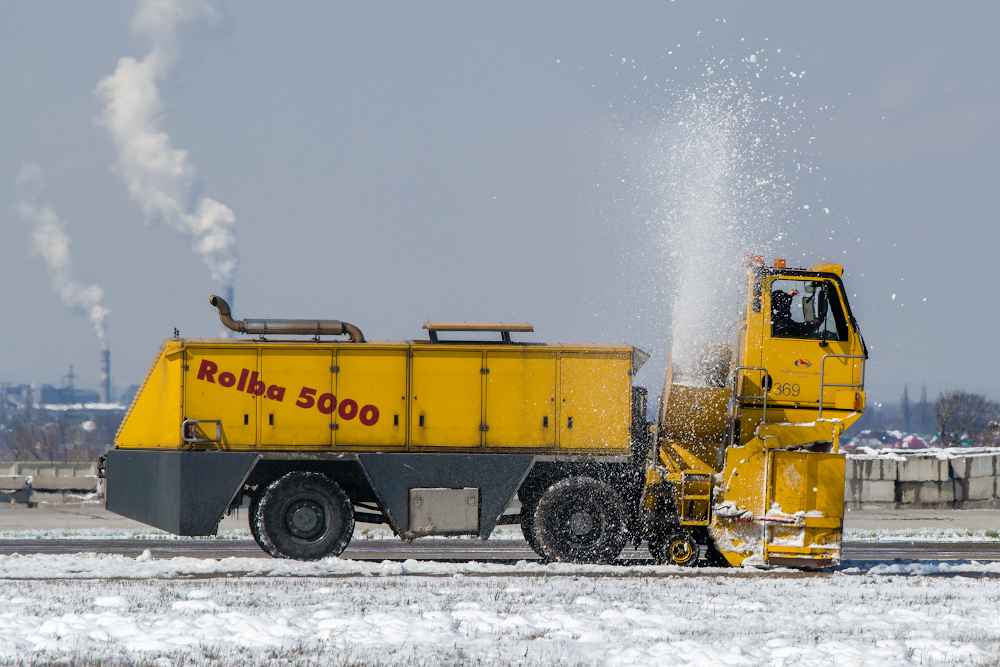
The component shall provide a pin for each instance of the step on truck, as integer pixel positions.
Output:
(741, 464)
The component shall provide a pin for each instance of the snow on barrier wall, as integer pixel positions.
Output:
(925, 479)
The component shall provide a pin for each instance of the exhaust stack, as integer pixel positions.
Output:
(105, 388)
(286, 327)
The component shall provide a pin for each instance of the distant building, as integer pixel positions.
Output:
(67, 395)
(887, 439)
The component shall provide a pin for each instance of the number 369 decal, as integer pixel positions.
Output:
(785, 389)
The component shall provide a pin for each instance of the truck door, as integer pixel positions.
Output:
(296, 396)
(805, 321)
(370, 385)
(594, 401)
(521, 399)
(447, 405)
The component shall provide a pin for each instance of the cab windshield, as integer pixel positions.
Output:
(808, 309)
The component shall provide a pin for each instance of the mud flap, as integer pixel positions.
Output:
(497, 476)
(184, 493)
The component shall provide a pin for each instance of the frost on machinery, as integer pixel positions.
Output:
(436, 437)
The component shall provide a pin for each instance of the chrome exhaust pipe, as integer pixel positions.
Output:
(286, 327)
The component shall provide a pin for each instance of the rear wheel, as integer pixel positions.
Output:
(252, 521)
(581, 520)
(676, 549)
(528, 507)
(304, 516)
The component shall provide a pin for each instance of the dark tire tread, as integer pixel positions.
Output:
(605, 509)
(339, 513)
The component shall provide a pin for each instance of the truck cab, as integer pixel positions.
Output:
(748, 466)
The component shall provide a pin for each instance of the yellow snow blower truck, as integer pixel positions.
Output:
(453, 435)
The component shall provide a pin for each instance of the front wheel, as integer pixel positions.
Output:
(581, 520)
(677, 549)
(304, 516)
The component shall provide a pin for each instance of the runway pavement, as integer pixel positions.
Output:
(52, 530)
(454, 549)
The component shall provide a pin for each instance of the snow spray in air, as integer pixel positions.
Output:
(715, 167)
(50, 241)
(160, 177)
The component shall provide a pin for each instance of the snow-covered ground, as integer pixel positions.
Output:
(920, 534)
(144, 611)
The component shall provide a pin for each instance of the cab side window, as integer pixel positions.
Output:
(809, 309)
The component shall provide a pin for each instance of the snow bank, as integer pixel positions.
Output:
(515, 619)
(113, 566)
(937, 567)
(923, 534)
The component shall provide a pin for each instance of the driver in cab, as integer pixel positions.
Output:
(781, 316)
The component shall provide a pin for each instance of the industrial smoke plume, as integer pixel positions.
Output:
(50, 242)
(160, 177)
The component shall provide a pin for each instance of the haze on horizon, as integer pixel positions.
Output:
(390, 165)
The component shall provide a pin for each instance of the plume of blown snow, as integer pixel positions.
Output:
(716, 164)
(50, 242)
(160, 177)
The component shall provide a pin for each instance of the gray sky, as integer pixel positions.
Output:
(389, 164)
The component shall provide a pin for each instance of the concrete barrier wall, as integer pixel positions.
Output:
(44, 481)
(936, 479)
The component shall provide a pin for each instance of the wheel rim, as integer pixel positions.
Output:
(580, 523)
(681, 551)
(305, 519)
(583, 525)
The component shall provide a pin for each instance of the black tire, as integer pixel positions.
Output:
(252, 521)
(528, 508)
(714, 557)
(581, 520)
(676, 549)
(304, 516)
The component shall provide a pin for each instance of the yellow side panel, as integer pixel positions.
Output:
(154, 419)
(806, 481)
(595, 401)
(215, 387)
(296, 407)
(521, 399)
(745, 476)
(850, 400)
(371, 398)
(695, 413)
(447, 407)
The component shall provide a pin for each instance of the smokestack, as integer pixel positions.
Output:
(105, 389)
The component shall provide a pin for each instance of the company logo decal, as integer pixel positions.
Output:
(252, 384)
(803, 363)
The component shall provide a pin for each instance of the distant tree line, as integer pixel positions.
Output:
(957, 418)
(58, 439)
(967, 419)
